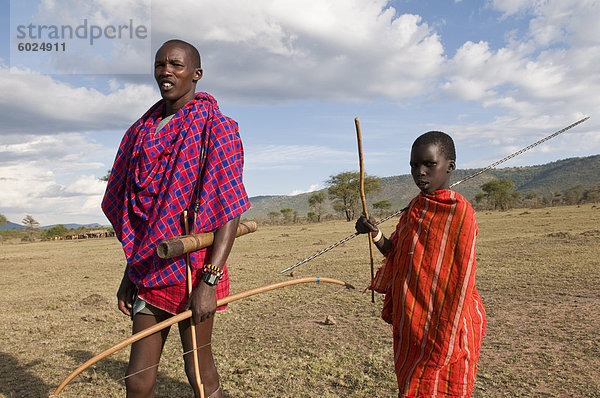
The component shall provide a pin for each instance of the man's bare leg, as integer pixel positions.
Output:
(144, 358)
(208, 370)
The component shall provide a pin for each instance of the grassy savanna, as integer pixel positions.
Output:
(538, 274)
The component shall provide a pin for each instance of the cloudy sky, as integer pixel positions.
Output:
(495, 74)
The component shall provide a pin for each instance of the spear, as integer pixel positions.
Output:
(347, 238)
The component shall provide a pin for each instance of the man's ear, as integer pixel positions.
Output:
(451, 166)
(198, 74)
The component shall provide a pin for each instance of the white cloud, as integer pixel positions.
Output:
(312, 188)
(264, 50)
(487, 143)
(291, 156)
(103, 11)
(67, 151)
(40, 176)
(341, 50)
(38, 104)
(86, 185)
(94, 35)
(267, 51)
(31, 189)
(574, 22)
(511, 7)
(551, 69)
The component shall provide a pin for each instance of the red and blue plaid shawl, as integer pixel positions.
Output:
(153, 181)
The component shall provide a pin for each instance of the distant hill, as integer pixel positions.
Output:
(555, 177)
(544, 179)
(74, 226)
(11, 225)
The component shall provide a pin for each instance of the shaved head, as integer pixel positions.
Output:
(193, 52)
(443, 140)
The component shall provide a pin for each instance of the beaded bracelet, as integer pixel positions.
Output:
(211, 274)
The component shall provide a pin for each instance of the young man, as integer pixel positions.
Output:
(181, 154)
(428, 278)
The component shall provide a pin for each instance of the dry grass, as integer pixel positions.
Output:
(539, 275)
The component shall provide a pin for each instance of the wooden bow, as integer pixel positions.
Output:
(363, 197)
(187, 314)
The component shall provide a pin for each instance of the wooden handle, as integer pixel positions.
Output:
(181, 245)
(363, 197)
(362, 168)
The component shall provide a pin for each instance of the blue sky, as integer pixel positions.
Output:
(495, 74)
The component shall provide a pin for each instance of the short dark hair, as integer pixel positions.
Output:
(442, 139)
(193, 51)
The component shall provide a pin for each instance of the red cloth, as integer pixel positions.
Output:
(173, 298)
(429, 280)
(153, 181)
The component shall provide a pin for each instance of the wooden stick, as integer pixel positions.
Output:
(192, 325)
(180, 245)
(363, 198)
(185, 315)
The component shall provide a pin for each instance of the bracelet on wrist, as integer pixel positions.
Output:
(378, 237)
(211, 274)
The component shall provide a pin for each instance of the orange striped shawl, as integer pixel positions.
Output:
(429, 281)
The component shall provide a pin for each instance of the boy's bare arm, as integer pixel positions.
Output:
(364, 226)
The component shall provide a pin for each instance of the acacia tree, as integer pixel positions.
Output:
(344, 188)
(592, 195)
(574, 195)
(58, 230)
(382, 207)
(555, 198)
(340, 207)
(533, 198)
(316, 202)
(287, 214)
(106, 177)
(498, 193)
(311, 216)
(3, 220)
(31, 225)
(273, 217)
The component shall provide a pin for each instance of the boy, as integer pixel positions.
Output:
(182, 149)
(428, 278)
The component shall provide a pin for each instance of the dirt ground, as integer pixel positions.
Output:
(538, 273)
